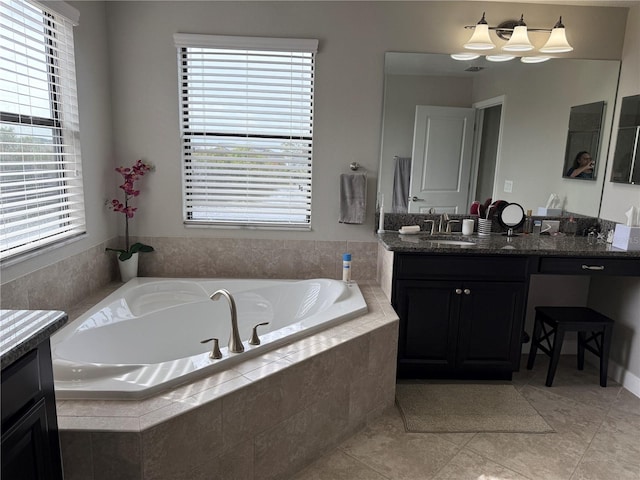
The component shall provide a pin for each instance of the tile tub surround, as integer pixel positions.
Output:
(87, 272)
(62, 285)
(265, 419)
(256, 258)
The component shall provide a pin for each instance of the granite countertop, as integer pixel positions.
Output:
(22, 331)
(498, 244)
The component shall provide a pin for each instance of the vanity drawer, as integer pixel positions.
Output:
(20, 384)
(590, 266)
(410, 266)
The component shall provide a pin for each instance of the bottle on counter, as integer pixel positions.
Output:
(528, 223)
(346, 267)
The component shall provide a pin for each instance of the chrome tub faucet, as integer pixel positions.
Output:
(235, 344)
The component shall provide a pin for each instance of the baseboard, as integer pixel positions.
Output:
(627, 379)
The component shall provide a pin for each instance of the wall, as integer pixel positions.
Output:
(620, 297)
(353, 37)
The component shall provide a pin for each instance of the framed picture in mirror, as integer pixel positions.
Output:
(583, 141)
(626, 160)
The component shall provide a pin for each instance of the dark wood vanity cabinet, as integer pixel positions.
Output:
(30, 445)
(460, 316)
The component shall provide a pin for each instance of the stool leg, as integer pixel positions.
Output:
(581, 342)
(604, 354)
(537, 327)
(558, 338)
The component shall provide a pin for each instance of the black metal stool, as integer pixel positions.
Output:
(571, 319)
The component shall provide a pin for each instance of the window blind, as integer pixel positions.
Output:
(40, 170)
(246, 130)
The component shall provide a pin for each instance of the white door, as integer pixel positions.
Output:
(441, 165)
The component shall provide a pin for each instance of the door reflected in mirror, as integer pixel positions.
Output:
(514, 157)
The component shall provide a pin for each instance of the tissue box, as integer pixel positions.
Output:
(549, 212)
(626, 238)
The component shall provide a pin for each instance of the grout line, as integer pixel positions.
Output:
(369, 467)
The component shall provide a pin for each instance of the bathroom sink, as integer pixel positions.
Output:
(460, 243)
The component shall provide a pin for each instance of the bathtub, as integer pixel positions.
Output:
(146, 336)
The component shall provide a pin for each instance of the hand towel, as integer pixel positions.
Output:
(401, 181)
(353, 198)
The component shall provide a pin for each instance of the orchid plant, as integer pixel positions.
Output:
(130, 175)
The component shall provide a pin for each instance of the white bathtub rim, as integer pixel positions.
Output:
(190, 368)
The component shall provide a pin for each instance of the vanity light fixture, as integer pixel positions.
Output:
(519, 41)
(480, 40)
(516, 33)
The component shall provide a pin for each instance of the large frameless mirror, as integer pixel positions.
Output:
(518, 114)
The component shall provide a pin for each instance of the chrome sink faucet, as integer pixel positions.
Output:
(444, 221)
(235, 344)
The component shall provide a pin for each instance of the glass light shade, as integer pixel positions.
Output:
(557, 42)
(519, 41)
(465, 56)
(535, 59)
(500, 58)
(480, 40)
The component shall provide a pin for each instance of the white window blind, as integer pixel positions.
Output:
(246, 129)
(40, 170)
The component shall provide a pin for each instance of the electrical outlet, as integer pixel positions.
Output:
(508, 186)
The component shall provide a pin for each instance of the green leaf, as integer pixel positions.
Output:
(135, 248)
(140, 247)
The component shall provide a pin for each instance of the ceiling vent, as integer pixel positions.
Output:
(473, 69)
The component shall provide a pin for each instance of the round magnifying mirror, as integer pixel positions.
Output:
(511, 217)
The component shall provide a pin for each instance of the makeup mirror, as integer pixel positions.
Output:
(511, 217)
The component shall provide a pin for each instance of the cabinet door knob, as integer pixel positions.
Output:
(458, 291)
(467, 291)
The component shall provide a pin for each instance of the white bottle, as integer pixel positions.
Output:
(346, 267)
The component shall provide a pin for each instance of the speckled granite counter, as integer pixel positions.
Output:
(23, 330)
(498, 244)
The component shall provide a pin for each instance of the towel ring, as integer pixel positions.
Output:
(354, 166)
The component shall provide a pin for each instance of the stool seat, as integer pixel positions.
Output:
(555, 321)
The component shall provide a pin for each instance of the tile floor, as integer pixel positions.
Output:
(597, 437)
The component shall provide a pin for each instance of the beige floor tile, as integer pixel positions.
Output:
(627, 402)
(338, 466)
(596, 439)
(388, 449)
(548, 456)
(563, 414)
(467, 465)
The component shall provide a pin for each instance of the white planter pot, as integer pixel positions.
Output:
(128, 268)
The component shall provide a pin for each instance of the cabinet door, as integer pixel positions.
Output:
(490, 326)
(428, 328)
(25, 447)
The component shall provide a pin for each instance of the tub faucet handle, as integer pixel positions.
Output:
(215, 351)
(254, 340)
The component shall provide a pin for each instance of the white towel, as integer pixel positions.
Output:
(353, 198)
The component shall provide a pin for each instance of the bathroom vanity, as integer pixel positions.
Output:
(462, 300)
(30, 445)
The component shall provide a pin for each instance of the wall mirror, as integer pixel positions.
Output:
(501, 131)
(626, 159)
(583, 141)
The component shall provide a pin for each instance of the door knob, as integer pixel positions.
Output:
(467, 291)
(416, 199)
(458, 291)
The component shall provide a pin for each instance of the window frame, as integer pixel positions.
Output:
(219, 196)
(39, 228)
